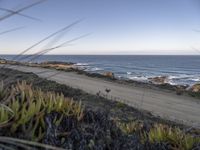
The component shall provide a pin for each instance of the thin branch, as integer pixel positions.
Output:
(50, 49)
(46, 38)
(23, 15)
(196, 30)
(20, 10)
(197, 50)
(42, 52)
(11, 30)
(16, 141)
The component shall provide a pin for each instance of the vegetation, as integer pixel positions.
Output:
(31, 118)
(130, 127)
(194, 94)
(6, 114)
(30, 107)
(174, 137)
(120, 105)
(52, 119)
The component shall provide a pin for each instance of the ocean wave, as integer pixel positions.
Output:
(95, 69)
(142, 74)
(183, 76)
(82, 64)
(171, 82)
(196, 79)
(138, 78)
(183, 79)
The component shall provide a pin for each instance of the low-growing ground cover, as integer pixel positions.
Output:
(46, 112)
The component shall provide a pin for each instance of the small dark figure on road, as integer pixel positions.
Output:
(107, 90)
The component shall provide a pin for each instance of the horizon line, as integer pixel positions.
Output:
(113, 54)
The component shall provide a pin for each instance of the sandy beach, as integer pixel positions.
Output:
(182, 109)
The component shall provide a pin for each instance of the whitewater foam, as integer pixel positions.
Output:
(82, 64)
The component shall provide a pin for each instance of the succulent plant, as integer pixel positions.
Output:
(29, 107)
(173, 136)
(51, 118)
(130, 127)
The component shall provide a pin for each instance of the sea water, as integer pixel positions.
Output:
(178, 69)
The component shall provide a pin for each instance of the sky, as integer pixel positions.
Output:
(121, 27)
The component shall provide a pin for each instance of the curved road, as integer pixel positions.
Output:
(167, 105)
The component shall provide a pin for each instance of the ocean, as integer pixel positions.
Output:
(180, 70)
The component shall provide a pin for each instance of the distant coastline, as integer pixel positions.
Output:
(171, 69)
(158, 83)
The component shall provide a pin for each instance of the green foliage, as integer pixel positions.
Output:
(120, 105)
(130, 127)
(194, 94)
(26, 109)
(58, 103)
(174, 136)
(4, 94)
(6, 114)
(30, 106)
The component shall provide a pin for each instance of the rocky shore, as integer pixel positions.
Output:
(105, 122)
(159, 83)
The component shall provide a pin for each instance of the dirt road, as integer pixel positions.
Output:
(167, 105)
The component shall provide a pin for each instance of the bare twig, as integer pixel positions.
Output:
(11, 30)
(18, 13)
(36, 55)
(20, 10)
(197, 50)
(25, 143)
(56, 47)
(46, 38)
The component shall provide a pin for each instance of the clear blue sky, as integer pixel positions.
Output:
(116, 26)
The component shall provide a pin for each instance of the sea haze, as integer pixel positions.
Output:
(179, 69)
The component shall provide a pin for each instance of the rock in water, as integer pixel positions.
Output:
(2, 61)
(109, 74)
(159, 80)
(195, 88)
